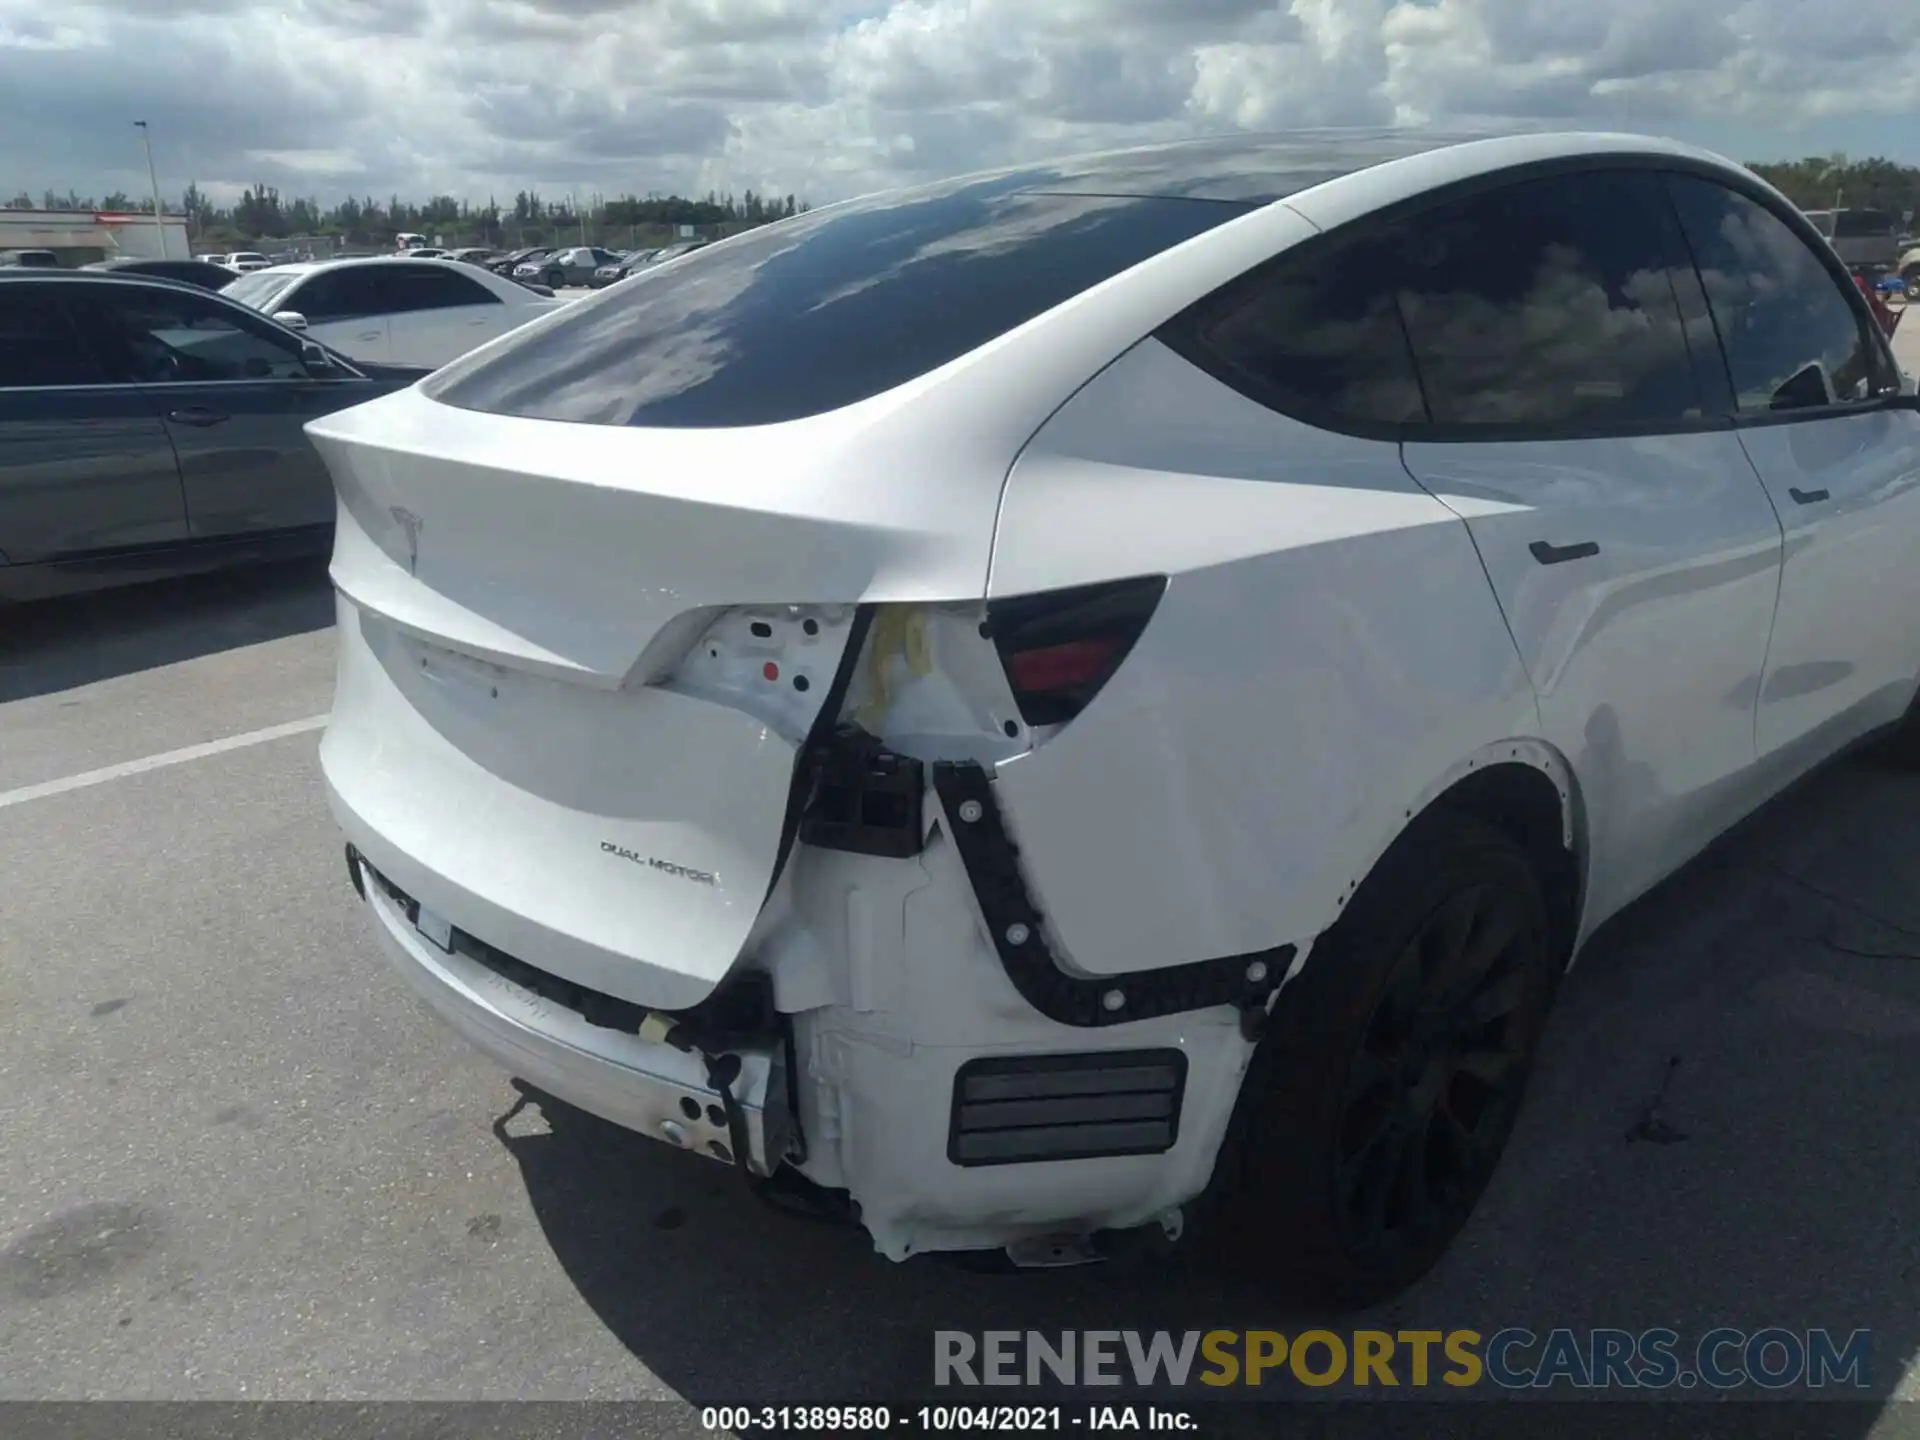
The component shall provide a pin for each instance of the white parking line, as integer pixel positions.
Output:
(158, 762)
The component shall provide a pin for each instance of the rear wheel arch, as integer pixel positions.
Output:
(1524, 788)
(1511, 806)
(1537, 811)
(1378, 1102)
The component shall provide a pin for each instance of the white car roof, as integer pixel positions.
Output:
(1282, 189)
(315, 267)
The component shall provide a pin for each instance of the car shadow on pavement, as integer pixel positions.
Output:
(51, 645)
(1718, 1135)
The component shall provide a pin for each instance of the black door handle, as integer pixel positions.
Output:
(195, 415)
(1559, 554)
(1806, 497)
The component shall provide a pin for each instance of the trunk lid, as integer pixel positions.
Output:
(577, 663)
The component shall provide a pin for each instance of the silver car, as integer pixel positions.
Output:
(621, 267)
(574, 266)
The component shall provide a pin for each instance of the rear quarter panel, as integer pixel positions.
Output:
(1327, 652)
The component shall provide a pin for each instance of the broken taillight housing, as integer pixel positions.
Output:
(1060, 647)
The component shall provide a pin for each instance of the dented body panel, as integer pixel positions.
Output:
(1312, 584)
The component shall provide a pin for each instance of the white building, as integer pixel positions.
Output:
(80, 236)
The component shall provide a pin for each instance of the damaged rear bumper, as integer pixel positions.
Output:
(641, 1081)
(920, 1084)
(923, 1049)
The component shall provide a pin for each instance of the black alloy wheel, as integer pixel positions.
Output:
(1391, 1072)
(1432, 1090)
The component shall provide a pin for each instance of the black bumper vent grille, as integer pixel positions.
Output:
(1010, 1110)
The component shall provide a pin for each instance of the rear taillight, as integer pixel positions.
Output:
(1060, 647)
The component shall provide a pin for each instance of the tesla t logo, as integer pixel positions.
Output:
(409, 522)
(666, 867)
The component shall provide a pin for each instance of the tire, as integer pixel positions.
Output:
(1368, 1042)
(556, 279)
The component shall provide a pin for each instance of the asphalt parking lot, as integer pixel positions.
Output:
(241, 1161)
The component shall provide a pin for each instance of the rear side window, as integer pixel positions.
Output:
(1793, 337)
(1549, 306)
(429, 287)
(1314, 334)
(822, 310)
(39, 342)
(338, 294)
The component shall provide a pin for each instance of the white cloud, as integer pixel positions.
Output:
(830, 97)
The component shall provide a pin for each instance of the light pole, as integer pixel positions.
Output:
(159, 218)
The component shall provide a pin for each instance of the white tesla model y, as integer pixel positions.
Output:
(1055, 703)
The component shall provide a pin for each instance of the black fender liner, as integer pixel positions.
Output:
(1017, 928)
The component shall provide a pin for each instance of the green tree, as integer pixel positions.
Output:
(1814, 182)
(261, 214)
(199, 210)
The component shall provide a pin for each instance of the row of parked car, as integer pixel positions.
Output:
(382, 309)
(582, 265)
(240, 262)
(152, 412)
(555, 267)
(159, 405)
(150, 427)
(209, 272)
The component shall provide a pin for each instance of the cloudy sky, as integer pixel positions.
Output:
(829, 98)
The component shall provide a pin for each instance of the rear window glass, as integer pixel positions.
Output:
(824, 309)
